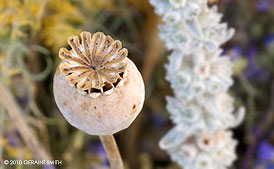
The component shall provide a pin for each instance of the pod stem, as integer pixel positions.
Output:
(112, 151)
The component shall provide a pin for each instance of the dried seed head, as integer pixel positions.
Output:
(96, 65)
(106, 114)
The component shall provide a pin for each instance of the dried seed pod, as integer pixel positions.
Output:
(96, 66)
(97, 88)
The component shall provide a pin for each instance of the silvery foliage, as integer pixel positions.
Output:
(207, 150)
(200, 77)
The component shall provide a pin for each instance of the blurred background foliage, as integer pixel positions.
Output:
(31, 33)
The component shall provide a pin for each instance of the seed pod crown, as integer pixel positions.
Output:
(96, 65)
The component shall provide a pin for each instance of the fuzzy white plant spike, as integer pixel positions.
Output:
(207, 150)
(201, 109)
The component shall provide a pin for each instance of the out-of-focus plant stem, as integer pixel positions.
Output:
(2, 117)
(32, 90)
(154, 48)
(42, 129)
(251, 92)
(262, 127)
(74, 146)
(146, 161)
(15, 114)
(37, 112)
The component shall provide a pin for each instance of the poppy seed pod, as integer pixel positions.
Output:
(96, 87)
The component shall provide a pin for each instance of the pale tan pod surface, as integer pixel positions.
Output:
(106, 114)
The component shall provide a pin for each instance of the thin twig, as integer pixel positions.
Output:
(263, 126)
(15, 114)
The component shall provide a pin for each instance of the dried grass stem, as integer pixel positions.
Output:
(15, 114)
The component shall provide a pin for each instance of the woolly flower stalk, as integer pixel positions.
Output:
(200, 76)
(208, 150)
